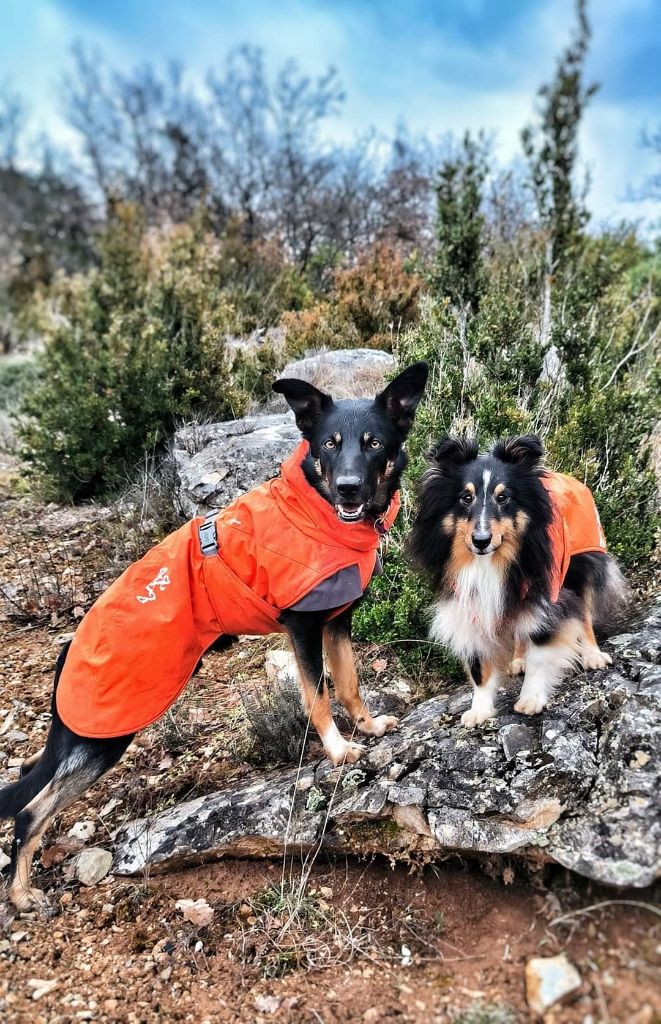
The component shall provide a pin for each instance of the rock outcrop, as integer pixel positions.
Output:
(344, 373)
(216, 462)
(577, 784)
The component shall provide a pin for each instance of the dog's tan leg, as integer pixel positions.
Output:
(546, 664)
(316, 702)
(31, 824)
(517, 665)
(342, 665)
(591, 656)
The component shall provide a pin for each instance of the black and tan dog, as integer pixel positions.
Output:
(519, 565)
(291, 556)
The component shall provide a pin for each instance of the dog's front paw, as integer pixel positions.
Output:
(380, 726)
(29, 898)
(345, 753)
(594, 659)
(517, 667)
(471, 718)
(531, 704)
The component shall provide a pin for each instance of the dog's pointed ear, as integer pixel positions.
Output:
(453, 451)
(401, 397)
(306, 401)
(526, 450)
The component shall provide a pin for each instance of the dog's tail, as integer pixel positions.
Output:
(614, 597)
(36, 774)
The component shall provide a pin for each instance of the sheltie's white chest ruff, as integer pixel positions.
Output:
(470, 622)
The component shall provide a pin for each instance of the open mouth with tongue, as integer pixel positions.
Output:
(350, 513)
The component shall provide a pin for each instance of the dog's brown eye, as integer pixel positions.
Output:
(330, 443)
(375, 443)
(502, 499)
(467, 497)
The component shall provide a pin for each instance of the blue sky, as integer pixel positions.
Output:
(440, 66)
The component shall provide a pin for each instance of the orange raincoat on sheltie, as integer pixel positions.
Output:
(138, 646)
(575, 528)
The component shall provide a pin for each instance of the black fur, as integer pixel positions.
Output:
(468, 506)
(356, 457)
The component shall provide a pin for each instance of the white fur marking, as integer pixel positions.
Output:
(486, 479)
(337, 748)
(469, 622)
(482, 706)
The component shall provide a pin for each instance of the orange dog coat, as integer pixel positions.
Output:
(138, 645)
(575, 527)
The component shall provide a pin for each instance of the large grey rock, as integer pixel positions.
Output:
(344, 373)
(216, 462)
(578, 785)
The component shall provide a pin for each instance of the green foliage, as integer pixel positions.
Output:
(131, 347)
(459, 272)
(18, 376)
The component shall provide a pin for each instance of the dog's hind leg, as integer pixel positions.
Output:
(591, 656)
(342, 665)
(68, 766)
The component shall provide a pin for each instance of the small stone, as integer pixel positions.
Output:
(17, 736)
(4, 860)
(92, 865)
(267, 1004)
(42, 987)
(82, 830)
(548, 980)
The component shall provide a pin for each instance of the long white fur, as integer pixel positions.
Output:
(468, 622)
(482, 706)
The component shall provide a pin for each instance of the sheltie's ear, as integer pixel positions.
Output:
(526, 451)
(453, 451)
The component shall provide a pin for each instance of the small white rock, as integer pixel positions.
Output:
(82, 830)
(4, 860)
(548, 980)
(41, 987)
(92, 865)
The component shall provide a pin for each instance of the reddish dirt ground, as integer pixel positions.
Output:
(411, 942)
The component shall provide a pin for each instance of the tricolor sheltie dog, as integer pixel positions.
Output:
(518, 561)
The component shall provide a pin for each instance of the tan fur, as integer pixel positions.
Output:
(342, 665)
(42, 808)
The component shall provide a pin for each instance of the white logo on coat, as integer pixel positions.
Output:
(161, 580)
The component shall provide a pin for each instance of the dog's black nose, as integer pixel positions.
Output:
(481, 539)
(348, 486)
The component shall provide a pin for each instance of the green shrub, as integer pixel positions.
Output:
(368, 305)
(18, 376)
(131, 347)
